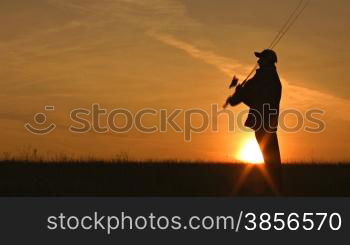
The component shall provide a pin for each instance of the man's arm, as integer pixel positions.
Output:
(241, 93)
(236, 98)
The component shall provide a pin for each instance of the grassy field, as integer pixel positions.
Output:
(167, 179)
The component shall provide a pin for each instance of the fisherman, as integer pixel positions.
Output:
(262, 93)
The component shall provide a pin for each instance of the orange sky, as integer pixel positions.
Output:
(167, 54)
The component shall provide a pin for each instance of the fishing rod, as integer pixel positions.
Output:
(280, 34)
(291, 24)
(290, 21)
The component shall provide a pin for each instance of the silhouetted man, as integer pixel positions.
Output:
(262, 94)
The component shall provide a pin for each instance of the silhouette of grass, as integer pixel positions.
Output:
(122, 177)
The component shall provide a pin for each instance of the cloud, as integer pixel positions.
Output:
(305, 98)
(153, 15)
(88, 16)
(295, 97)
(226, 65)
(158, 19)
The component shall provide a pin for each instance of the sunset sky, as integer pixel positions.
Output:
(168, 54)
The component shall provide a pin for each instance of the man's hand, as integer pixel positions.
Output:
(239, 88)
(236, 98)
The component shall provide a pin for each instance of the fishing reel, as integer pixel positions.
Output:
(234, 82)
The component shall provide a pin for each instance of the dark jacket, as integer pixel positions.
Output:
(262, 94)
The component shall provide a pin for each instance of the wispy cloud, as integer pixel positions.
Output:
(296, 97)
(153, 15)
(226, 65)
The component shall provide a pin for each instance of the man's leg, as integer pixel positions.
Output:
(268, 143)
(272, 150)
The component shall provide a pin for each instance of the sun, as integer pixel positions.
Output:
(250, 152)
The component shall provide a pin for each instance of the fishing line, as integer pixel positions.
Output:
(290, 25)
(284, 29)
(279, 33)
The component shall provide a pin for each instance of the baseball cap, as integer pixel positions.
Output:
(267, 54)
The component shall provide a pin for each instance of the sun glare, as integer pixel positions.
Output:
(250, 152)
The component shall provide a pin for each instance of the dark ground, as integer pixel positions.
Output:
(167, 179)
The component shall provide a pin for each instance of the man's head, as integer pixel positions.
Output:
(266, 57)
